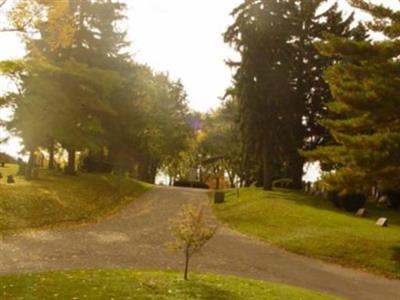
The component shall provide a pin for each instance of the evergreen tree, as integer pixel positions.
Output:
(260, 34)
(366, 108)
(311, 93)
(279, 81)
(96, 45)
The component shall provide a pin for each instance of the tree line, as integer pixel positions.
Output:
(79, 89)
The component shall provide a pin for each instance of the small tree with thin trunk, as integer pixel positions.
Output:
(192, 231)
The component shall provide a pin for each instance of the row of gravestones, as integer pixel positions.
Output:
(353, 202)
(10, 178)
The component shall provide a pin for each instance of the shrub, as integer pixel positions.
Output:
(94, 165)
(191, 184)
(352, 202)
(285, 183)
(393, 199)
(335, 199)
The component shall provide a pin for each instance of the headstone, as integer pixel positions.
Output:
(382, 222)
(10, 179)
(362, 213)
(219, 197)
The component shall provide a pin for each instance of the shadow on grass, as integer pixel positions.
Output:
(301, 198)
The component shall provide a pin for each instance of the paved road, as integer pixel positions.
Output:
(136, 237)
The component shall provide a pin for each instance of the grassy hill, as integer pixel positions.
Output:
(55, 200)
(124, 284)
(313, 227)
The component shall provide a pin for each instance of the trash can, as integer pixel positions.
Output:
(219, 197)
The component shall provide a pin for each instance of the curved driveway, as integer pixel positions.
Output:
(136, 237)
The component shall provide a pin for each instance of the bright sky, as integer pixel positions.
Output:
(182, 37)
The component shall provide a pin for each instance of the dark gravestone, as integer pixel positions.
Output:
(219, 197)
(10, 179)
(383, 222)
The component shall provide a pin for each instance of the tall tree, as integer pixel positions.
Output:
(260, 34)
(366, 108)
(279, 80)
(311, 92)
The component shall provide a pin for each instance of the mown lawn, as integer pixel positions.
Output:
(311, 226)
(59, 200)
(124, 284)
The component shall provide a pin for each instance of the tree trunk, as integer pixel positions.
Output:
(268, 171)
(152, 173)
(51, 149)
(30, 165)
(70, 170)
(146, 171)
(186, 277)
(231, 176)
(217, 183)
(296, 171)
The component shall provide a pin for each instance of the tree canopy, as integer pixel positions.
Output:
(80, 91)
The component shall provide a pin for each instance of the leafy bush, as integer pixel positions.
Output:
(352, 202)
(393, 199)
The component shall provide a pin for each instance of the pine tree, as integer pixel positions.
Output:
(279, 82)
(260, 34)
(95, 47)
(311, 92)
(366, 108)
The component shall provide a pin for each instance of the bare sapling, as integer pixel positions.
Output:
(192, 230)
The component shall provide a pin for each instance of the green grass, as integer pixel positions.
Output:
(124, 284)
(56, 200)
(311, 226)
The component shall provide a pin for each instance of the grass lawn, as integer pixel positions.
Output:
(59, 200)
(124, 284)
(311, 226)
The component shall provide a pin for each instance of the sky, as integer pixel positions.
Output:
(184, 38)
(181, 37)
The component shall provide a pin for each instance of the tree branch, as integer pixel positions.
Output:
(2, 2)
